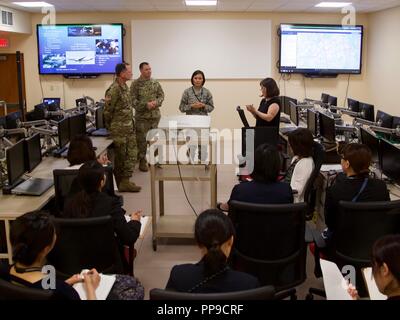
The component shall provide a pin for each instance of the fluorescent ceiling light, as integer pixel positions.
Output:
(37, 4)
(333, 4)
(201, 2)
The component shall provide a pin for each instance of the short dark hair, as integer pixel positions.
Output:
(80, 150)
(120, 67)
(271, 86)
(195, 74)
(359, 156)
(301, 141)
(29, 235)
(212, 229)
(267, 163)
(142, 64)
(387, 250)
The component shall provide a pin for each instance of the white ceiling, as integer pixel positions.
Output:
(223, 5)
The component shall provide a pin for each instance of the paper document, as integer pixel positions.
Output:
(374, 293)
(102, 291)
(334, 283)
(333, 167)
(144, 220)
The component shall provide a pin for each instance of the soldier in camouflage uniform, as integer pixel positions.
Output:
(118, 117)
(147, 96)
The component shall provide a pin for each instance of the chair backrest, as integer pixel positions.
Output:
(270, 242)
(10, 291)
(360, 224)
(65, 180)
(84, 244)
(262, 293)
(310, 188)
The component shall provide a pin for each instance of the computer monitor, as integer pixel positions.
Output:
(99, 118)
(53, 104)
(312, 123)
(372, 141)
(63, 132)
(294, 113)
(324, 97)
(353, 105)
(33, 151)
(327, 127)
(390, 161)
(396, 123)
(384, 119)
(15, 156)
(80, 102)
(77, 125)
(332, 101)
(12, 120)
(368, 111)
(285, 108)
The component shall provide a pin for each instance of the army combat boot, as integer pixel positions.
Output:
(143, 165)
(126, 186)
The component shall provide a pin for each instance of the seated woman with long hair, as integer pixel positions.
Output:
(214, 234)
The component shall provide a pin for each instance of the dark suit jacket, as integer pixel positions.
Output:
(185, 276)
(103, 205)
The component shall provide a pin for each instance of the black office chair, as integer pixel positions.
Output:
(270, 243)
(65, 184)
(84, 244)
(310, 190)
(358, 226)
(262, 293)
(10, 291)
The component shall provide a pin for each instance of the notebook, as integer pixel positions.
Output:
(144, 221)
(335, 285)
(33, 187)
(102, 291)
(374, 293)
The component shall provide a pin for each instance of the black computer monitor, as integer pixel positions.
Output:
(332, 101)
(33, 151)
(396, 123)
(385, 119)
(99, 118)
(390, 161)
(285, 108)
(53, 104)
(372, 141)
(12, 119)
(312, 123)
(80, 102)
(368, 111)
(327, 127)
(353, 105)
(294, 113)
(15, 156)
(324, 97)
(77, 125)
(63, 132)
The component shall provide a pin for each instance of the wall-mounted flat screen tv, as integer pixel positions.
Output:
(79, 49)
(314, 49)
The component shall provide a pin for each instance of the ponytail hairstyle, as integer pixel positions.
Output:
(212, 229)
(90, 175)
(387, 250)
(29, 235)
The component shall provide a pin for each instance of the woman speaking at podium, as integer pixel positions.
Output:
(268, 113)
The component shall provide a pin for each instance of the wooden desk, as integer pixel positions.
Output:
(13, 206)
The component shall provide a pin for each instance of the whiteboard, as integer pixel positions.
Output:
(222, 49)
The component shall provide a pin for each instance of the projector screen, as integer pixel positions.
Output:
(223, 49)
(325, 49)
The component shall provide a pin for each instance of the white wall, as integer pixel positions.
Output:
(21, 21)
(227, 93)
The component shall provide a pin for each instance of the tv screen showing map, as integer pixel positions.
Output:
(79, 48)
(320, 49)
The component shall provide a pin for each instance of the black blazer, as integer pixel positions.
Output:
(103, 205)
(185, 276)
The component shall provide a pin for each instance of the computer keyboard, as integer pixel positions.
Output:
(284, 120)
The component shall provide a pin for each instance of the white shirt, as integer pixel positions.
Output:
(302, 171)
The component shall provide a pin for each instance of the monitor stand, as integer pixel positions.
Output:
(8, 188)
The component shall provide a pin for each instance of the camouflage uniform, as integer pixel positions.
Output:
(118, 118)
(144, 91)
